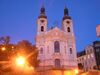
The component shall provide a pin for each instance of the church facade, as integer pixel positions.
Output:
(57, 48)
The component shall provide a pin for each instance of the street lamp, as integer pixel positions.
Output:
(20, 61)
(3, 48)
(21, 66)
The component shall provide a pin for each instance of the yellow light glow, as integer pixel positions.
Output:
(12, 47)
(68, 72)
(20, 61)
(3, 48)
(76, 71)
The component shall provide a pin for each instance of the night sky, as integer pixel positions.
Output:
(18, 18)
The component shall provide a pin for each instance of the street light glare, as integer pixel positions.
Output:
(3, 48)
(76, 71)
(20, 61)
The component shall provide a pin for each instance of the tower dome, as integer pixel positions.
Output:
(66, 14)
(42, 13)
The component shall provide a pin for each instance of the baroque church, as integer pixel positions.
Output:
(57, 48)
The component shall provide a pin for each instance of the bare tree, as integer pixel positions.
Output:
(5, 40)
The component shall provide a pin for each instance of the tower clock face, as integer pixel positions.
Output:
(68, 22)
(42, 21)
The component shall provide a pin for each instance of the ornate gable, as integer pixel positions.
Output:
(55, 33)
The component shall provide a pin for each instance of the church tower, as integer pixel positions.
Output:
(42, 21)
(56, 46)
(67, 27)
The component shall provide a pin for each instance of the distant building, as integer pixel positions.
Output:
(57, 48)
(89, 59)
(96, 46)
(98, 30)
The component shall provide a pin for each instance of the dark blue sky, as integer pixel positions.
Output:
(18, 18)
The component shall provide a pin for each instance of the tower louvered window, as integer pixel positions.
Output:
(42, 28)
(68, 29)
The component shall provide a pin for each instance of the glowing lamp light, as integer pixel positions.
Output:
(3, 48)
(20, 61)
(76, 71)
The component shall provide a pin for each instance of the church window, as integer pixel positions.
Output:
(47, 49)
(65, 48)
(70, 50)
(57, 63)
(41, 51)
(56, 46)
(42, 28)
(68, 29)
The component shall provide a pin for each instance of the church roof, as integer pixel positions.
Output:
(55, 28)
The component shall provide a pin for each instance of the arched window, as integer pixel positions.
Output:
(48, 49)
(70, 50)
(65, 48)
(41, 50)
(68, 29)
(56, 46)
(42, 28)
(57, 63)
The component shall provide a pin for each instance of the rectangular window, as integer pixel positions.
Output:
(41, 50)
(57, 63)
(56, 46)
(70, 50)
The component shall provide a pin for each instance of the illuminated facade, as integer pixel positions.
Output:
(98, 30)
(87, 58)
(90, 57)
(56, 46)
